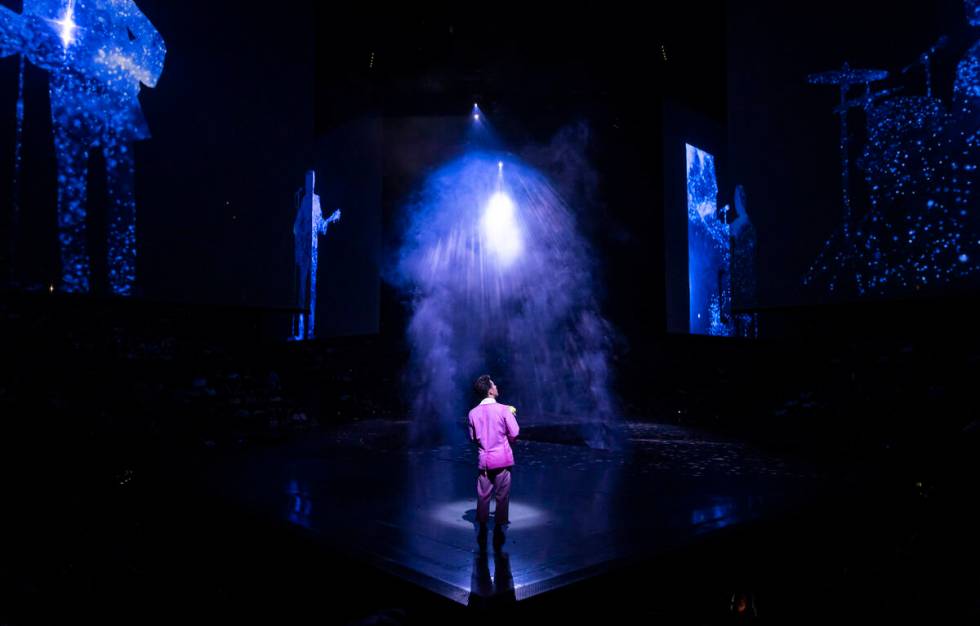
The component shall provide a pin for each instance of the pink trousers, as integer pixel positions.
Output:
(496, 483)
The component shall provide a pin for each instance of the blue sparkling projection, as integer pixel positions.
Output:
(98, 53)
(709, 250)
(308, 227)
(921, 225)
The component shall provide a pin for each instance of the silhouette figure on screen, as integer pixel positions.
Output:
(308, 227)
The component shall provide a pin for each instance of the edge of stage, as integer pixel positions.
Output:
(576, 513)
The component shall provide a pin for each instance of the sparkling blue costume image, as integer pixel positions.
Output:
(98, 53)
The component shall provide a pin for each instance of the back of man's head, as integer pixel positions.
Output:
(483, 385)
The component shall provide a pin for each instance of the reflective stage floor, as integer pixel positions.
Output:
(576, 513)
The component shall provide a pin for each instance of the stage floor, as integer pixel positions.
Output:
(575, 512)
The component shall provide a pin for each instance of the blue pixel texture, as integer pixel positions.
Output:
(709, 250)
(920, 228)
(972, 12)
(98, 53)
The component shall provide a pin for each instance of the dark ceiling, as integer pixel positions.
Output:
(437, 64)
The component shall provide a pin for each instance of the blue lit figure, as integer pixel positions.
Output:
(98, 53)
(308, 227)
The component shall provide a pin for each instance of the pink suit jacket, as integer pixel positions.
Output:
(493, 427)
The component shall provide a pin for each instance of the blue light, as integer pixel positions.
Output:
(722, 512)
(709, 250)
(500, 229)
(98, 53)
(66, 26)
(308, 227)
(299, 504)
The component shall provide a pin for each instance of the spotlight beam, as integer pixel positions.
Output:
(500, 228)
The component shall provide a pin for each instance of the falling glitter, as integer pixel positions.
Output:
(501, 279)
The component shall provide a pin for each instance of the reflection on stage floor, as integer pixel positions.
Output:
(575, 512)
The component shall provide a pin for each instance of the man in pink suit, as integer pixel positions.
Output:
(493, 427)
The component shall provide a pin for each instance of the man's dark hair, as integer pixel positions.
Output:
(482, 385)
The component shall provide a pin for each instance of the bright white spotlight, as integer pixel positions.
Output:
(500, 230)
(476, 117)
(66, 26)
(500, 166)
(454, 514)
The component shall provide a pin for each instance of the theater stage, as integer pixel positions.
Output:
(576, 512)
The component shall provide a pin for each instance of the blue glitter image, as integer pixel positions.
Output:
(709, 249)
(98, 53)
(919, 228)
